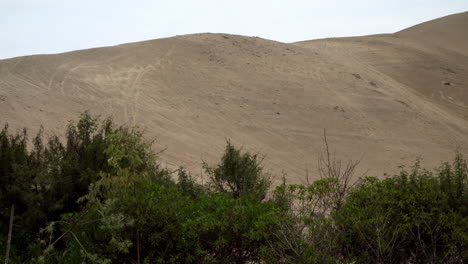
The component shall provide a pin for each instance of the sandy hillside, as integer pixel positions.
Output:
(386, 98)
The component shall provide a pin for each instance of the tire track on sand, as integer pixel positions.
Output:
(134, 92)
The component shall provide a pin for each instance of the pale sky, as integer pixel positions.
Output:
(53, 26)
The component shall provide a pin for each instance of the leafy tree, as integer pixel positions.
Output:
(139, 217)
(239, 174)
(454, 182)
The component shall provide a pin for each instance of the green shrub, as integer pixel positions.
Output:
(239, 174)
(101, 197)
(137, 217)
(405, 218)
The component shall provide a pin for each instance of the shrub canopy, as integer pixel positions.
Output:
(101, 197)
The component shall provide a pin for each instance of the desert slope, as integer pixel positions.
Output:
(431, 59)
(447, 33)
(387, 98)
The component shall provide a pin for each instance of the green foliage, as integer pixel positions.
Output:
(211, 229)
(239, 174)
(307, 235)
(137, 214)
(187, 185)
(410, 217)
(414, 217)
(46, 181)
(101, 197)
(454, 182)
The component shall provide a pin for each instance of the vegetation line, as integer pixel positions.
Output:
(101, 197)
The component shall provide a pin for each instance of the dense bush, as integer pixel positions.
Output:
(239, 174)
(412, 217)
(45, 182)
(100, 197)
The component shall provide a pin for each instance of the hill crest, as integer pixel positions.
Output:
(389, 98)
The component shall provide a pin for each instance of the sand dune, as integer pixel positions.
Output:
(385, 98)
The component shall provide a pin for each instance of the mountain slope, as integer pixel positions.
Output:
(385, 98)
(448, 33)
(430, 58)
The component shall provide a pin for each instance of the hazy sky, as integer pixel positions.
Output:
(51, 26)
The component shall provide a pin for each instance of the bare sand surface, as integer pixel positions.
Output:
(385, 99)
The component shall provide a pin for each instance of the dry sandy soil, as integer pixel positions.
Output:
(385, 98)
